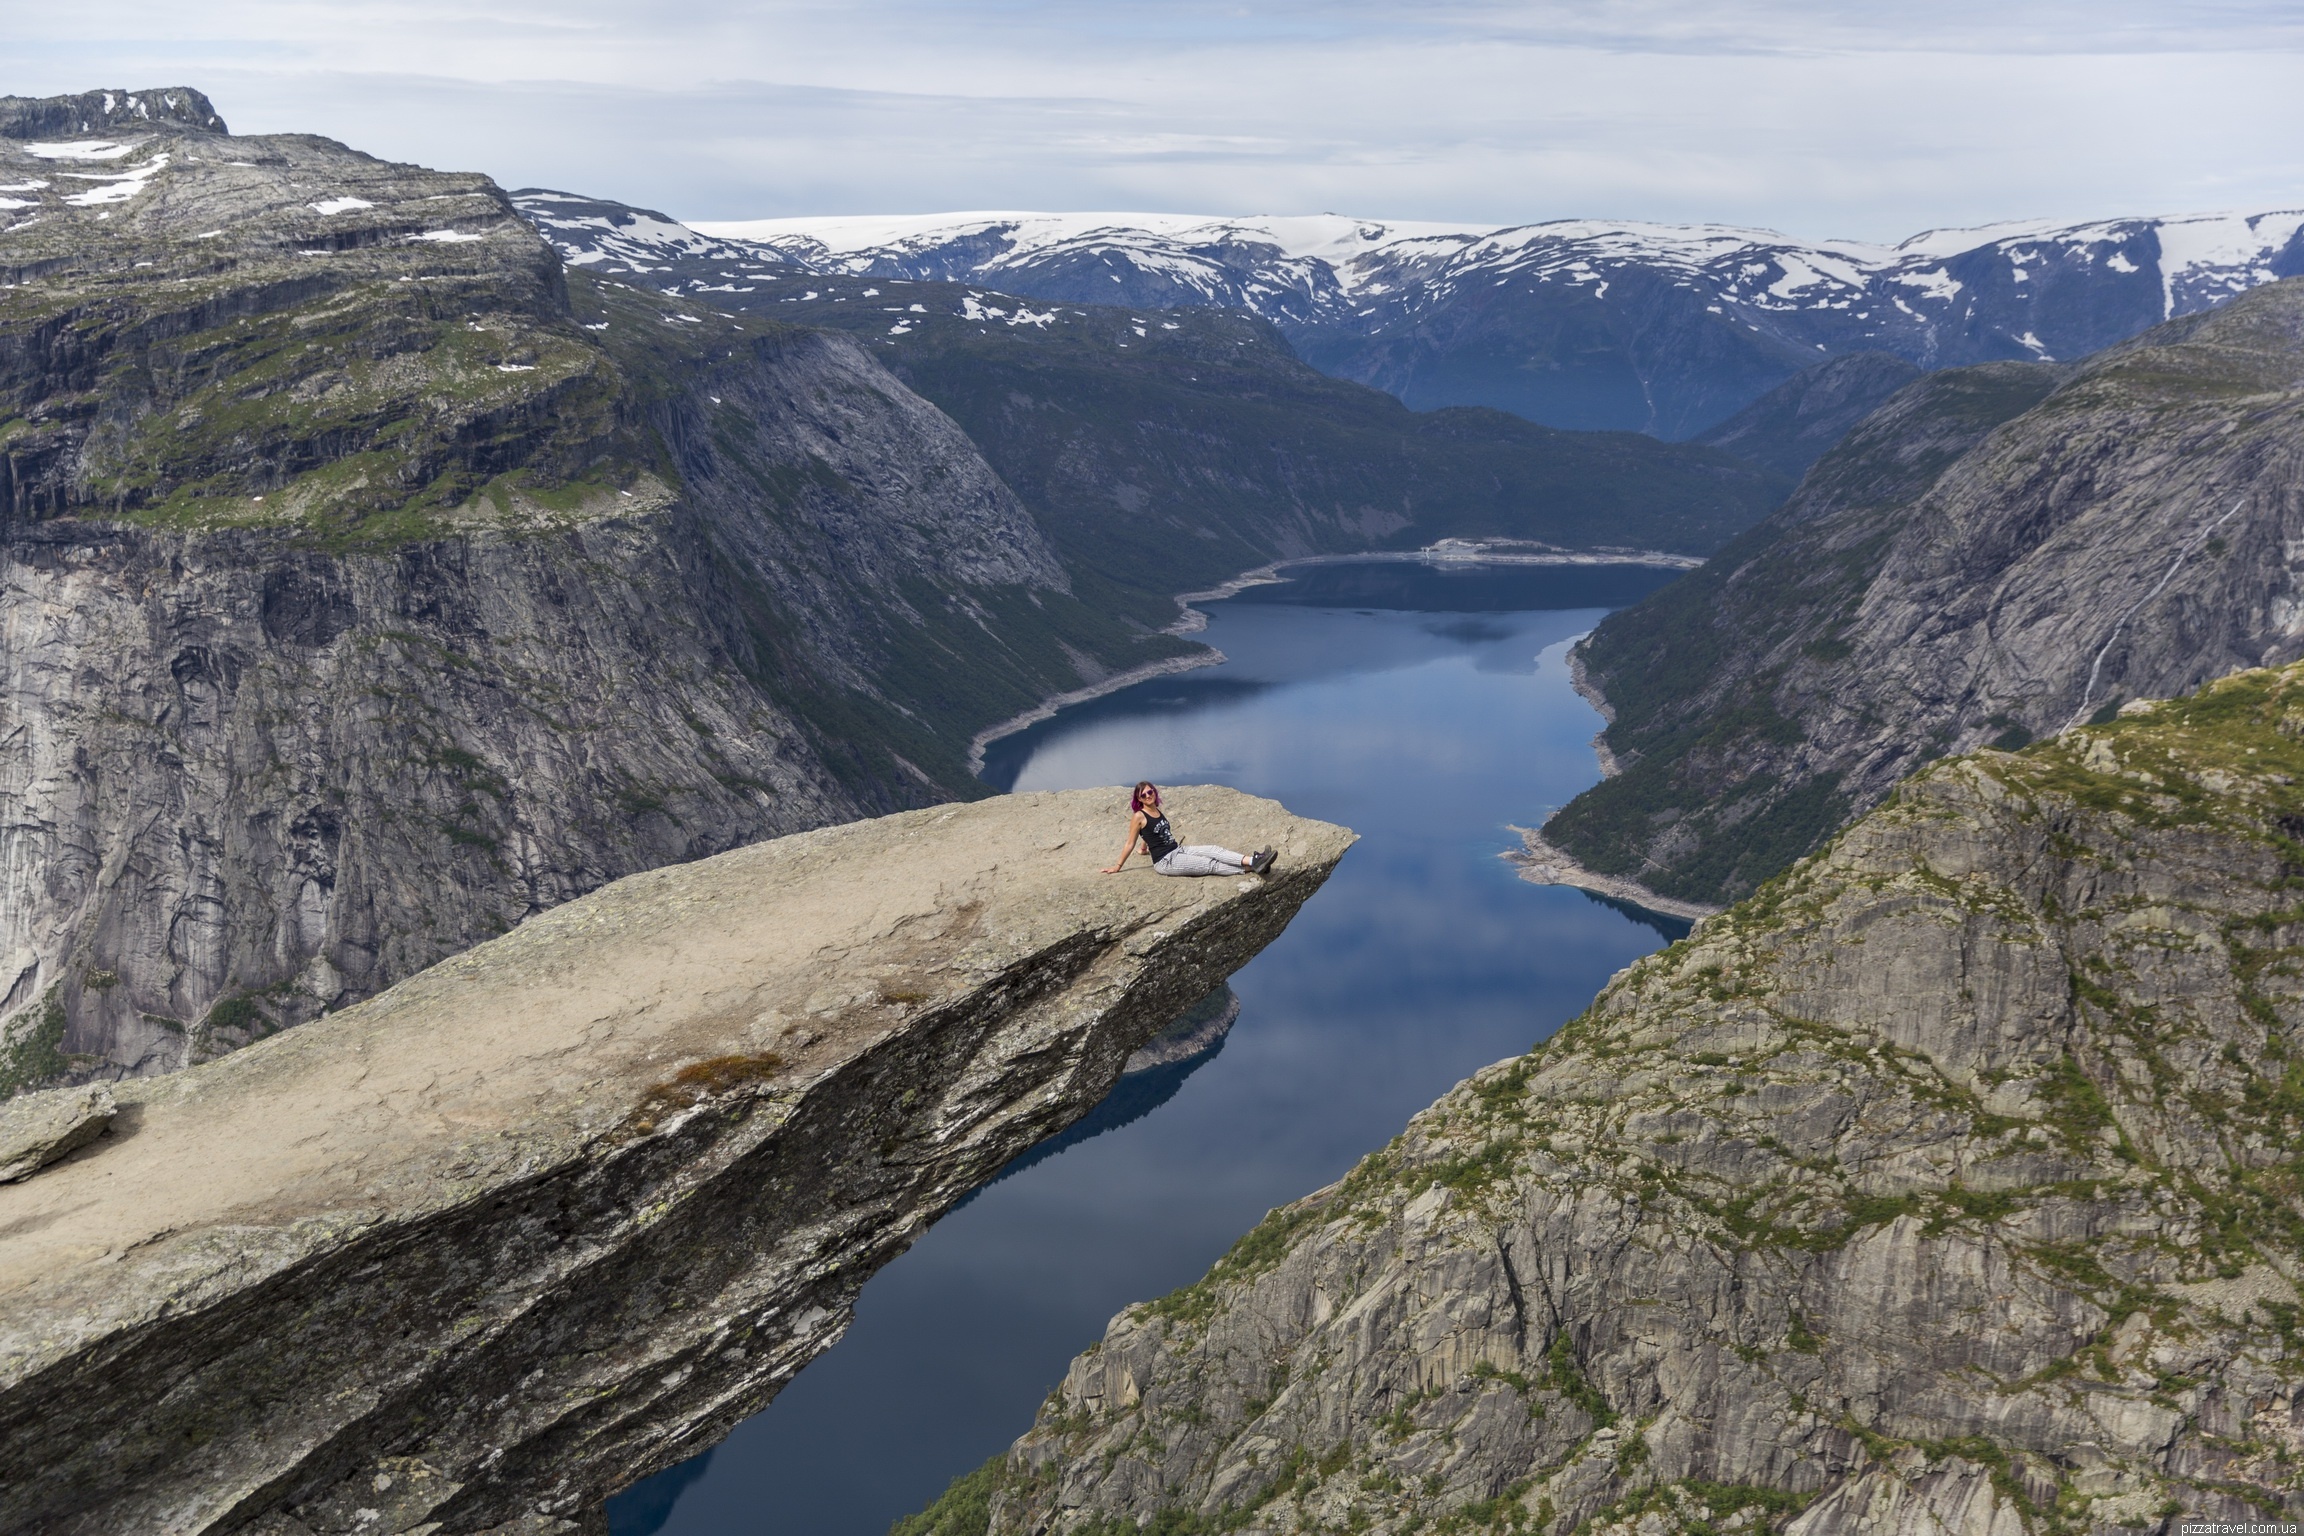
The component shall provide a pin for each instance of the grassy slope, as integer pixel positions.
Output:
(357, 397)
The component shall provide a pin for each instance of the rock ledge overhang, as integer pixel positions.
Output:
(559, 1211)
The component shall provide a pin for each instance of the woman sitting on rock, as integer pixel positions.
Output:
(1146, 821)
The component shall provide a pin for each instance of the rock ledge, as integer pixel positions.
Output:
(561, 1210)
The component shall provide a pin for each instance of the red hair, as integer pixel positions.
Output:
(1137, 796)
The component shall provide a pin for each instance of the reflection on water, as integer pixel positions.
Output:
(1140, 1090)
(1427, 730)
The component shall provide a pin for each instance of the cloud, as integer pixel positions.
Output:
(1821, 119)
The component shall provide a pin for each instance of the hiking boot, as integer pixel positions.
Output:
(1258, 863)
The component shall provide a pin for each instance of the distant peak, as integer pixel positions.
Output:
(40, 117)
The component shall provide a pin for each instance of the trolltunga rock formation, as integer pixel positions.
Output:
(557, 1212)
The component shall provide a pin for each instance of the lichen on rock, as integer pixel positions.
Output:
(1949, 1184)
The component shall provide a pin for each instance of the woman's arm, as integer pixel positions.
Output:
(1135, 830)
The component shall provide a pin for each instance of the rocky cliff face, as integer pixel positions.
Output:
(367, 588)
(1996, 554)
(559, 1212)
(1950, 1185)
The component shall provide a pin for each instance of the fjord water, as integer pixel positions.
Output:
(1426, 707)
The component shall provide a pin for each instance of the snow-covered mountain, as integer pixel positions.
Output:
(616, 237)
(1660, 328)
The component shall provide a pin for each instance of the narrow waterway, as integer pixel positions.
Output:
(1425, 707)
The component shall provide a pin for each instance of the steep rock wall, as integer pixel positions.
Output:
(251, 782)
(1997, 553)
(560, 1211)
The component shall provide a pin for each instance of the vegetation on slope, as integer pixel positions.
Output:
(214, 350)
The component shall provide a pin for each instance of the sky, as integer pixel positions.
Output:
(1868, 121)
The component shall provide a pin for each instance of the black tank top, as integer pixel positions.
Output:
(1158, 840)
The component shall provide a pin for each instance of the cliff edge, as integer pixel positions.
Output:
(557, 1212)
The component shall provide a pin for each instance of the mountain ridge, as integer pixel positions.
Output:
(1703, 319)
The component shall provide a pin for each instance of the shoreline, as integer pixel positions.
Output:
(1503, 552)
(1046, 709)
(1590, 693)
(1190, 620)
(1539, 863)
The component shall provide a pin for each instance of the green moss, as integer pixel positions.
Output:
(1993, 1457)
(1506, 1511)
(32, 1046)
(1694, 1507)
(1565, 1376)
(240, 1013)
(1471, 1174)
(1262, 1249)
(1978, 1205)
(2078, 1112)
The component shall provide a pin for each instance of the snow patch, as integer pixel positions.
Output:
(1934, 283)
(1323, 236)
(85, 149)
(2207, 256)
(336, 205)
(116, 189)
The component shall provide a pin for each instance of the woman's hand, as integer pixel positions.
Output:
(1135, 829)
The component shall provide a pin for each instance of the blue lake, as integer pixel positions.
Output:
(1427, 708)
